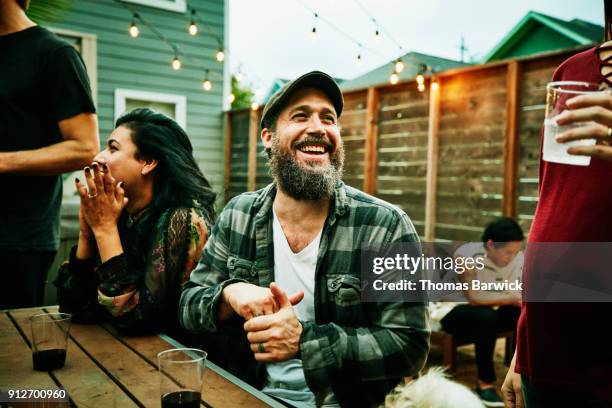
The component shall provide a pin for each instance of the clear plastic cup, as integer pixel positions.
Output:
(49, 340)
(557, 95)
(181, 375)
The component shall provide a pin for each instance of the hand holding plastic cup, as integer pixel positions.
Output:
(181, 375)
(557, 95)
(49, 340)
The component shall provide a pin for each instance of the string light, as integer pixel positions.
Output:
(399, 65)
(207, 85)
(220, 54)
(420, 79)
(313, 33)
(134, 31)
(394, 78)
(421, 87)
(254, 106)
(434, 85)
(231, 98)
(176, 63)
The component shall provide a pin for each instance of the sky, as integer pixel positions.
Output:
(271, 39)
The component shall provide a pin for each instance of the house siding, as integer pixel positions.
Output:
(143, 63)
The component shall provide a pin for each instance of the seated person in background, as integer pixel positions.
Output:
(145, 212)
(488, 313)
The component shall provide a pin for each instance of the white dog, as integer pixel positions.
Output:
(433, 390)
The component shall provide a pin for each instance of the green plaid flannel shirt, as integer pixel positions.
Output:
(361, 350)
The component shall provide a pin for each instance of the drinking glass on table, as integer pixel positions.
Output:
(49, 340)
(181, 375)
(557, 95)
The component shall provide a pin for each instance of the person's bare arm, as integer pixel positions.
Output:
(80, 145)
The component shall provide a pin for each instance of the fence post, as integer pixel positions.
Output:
(433, 136)
(227, 169)
(371, 140)
(253, 137)
(511, 145)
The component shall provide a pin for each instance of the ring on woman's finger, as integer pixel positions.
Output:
(90, 195)
(261, 348)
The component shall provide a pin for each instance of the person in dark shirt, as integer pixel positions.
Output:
(48, 126)
(146, 209)
(563, 356)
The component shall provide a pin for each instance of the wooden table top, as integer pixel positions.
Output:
(106, 369)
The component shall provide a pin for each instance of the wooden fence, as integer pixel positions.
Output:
(453, 157)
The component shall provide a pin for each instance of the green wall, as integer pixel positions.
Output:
(143, 63)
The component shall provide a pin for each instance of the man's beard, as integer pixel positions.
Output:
(313, 182)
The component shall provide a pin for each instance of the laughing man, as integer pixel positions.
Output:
(311, 340)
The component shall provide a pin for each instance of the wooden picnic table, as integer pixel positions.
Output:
(105, 369)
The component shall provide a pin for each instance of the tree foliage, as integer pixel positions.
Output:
(243, 95)
(48, 11)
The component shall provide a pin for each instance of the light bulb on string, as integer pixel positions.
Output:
(254, 106)
(134, 31)
(220, 54)
(206, 84)
(421, 87)
(420, 79)
(394, 78)
(231, 98)
(313, 33)
(434, 85)
(176, 63)
(193, 28)
(399, 65)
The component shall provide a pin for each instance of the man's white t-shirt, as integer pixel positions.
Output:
(294, 272)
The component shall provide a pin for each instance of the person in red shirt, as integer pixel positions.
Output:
(563, 355)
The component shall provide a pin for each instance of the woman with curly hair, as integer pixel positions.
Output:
(145, 213)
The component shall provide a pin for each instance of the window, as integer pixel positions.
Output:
(179, 6)
(172, 105)
(86, 45)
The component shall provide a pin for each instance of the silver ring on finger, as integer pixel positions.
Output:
(261, 348)
(90, 195)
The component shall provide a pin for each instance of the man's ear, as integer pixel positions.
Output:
(149, 166)
(266, 137)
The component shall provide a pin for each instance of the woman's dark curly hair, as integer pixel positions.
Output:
(177, 179)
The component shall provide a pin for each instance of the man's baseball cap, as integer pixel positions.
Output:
(314, 79)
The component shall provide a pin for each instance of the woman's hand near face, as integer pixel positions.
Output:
(86, 244)
(101, 205)
(595, 112)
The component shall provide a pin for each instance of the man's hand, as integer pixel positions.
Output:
(511, 388)
(275, 337)
(248, 301)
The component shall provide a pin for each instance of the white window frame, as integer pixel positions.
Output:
(89, 53)
(178, 6)
(179, 101)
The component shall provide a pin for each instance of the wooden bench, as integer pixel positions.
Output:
(448, 343)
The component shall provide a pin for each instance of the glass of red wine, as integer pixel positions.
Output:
(49, 340)
(181, 375)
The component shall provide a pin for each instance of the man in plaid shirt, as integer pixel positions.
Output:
(283, 264)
